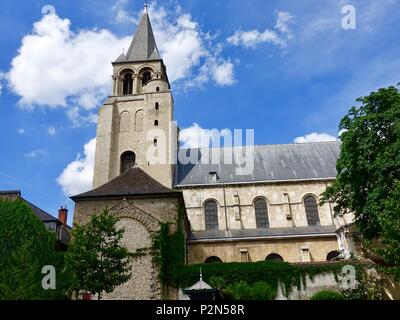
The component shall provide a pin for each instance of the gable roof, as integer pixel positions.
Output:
(272, 163)
(143, 46)
(133, 183)
(41, 214)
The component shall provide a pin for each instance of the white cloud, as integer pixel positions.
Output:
(21, 131)
(58, 67)
(278, 37)
(283, 22)
(197, 137)
(35, 154)
(55, 64)
(51, 130)
(188, 52)
(121, 15)
(223, 74)
(315, 137)
(77, 177)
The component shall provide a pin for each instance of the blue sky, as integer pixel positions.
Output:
(284, 68)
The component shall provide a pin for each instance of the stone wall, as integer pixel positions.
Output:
(141, 219)
(289, 249)
(284, 200)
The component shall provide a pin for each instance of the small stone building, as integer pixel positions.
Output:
(142, 204)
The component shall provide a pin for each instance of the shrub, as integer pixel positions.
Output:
(242, 291)
(327, 295)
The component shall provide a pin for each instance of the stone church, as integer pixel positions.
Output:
(271, 214)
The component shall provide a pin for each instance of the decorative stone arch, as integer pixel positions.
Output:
(146, 70)
(125, 69)
(124, 209)
(144, 283)
(309, 194)
(210, 199)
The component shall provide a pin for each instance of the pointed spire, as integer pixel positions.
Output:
(143, 46)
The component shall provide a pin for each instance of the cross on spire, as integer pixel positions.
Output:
(145, 6)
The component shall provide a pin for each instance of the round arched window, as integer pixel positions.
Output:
(128, 160)
(213, 260)
(146, 77)
(128, 83)
(274, 257)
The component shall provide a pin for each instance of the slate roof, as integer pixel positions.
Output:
(41, 214)
(143, 46)
(221, 235)
(134, 182)
(272, 163)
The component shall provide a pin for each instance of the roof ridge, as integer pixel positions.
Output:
(264, 145)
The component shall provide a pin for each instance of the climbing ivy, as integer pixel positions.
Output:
(170, 254)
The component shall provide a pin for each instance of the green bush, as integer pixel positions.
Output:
(242, 291)
(25, 248)
(327, 295)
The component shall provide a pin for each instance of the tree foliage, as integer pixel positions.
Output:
(96, 260)
(327, 295)
(368, 169)
(25, 248)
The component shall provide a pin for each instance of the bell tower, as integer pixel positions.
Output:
(135, 121)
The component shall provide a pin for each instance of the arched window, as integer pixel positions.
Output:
(213, 260)
(139, 119)
(157, 106)
(211, 215)
(310, 203)
(146, 77)
(261, 210)
(128, 160)
(274, 257)
(332, 256)
(156, 123)
(128, 83)
(125, 121)
(158, 89)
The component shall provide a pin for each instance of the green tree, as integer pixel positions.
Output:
(368, 169)
(25, 248)
(96, 260)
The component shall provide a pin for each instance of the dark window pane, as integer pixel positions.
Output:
(146, 77)
(262, 221)
(128, 160)
(211, 215)
(213, 260)
(274, 257)
(128, 84)
(310, 203)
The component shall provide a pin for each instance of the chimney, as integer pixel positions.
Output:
(63, 215)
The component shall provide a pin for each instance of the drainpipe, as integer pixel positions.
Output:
(226, 213)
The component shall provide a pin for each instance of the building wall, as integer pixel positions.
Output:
(140, 218)
(257, 250)
(162, 209)
(284, 200)
(137, 130)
